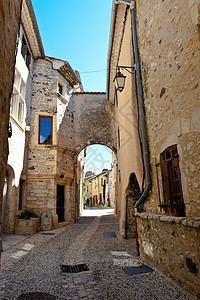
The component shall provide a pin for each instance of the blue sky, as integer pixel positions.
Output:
(98, 157)
(77, 31)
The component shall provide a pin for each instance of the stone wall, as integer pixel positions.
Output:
(169, 47)
(93, 123)
(78, 121)
(46, 163)
(9, 24)
(172, 245)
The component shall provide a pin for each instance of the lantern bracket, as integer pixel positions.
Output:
(126, 68)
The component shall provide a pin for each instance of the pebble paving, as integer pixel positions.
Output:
(32, 268)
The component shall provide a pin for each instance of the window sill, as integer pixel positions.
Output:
(17, 122)
(62, 97)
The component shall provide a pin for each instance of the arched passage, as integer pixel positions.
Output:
(96, 171)
(93, 123)
(77, 122)
(87, 120)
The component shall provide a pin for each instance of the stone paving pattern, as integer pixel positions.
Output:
(33, 265)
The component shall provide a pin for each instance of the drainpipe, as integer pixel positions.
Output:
(141, 108)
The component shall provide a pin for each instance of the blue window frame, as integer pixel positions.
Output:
(45, 130)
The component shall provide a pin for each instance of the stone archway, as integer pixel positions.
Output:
(83, 119)
(9, 202)
(86, 121)
(93, 123)
(132, 194)
(98, 163)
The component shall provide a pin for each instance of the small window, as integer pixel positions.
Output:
(45, 130)
(173, 189)
(171, 182)
(22, 89)
(14, 103)
(21, 112)
(60, 88)
(25, 52)
(17, 103)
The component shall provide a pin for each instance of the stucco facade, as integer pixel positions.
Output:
(29, 47)
(168, 41)
(9, 18)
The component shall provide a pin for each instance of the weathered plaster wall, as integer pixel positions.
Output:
(126, 121)
(9, 24)
(169, 45)
(172, 244)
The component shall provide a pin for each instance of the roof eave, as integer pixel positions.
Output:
(35, 27)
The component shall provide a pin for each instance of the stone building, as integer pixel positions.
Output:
(167, 36)
(98, 189)
(50, 158)
(9, 18)
(29, 48)
(112, 183)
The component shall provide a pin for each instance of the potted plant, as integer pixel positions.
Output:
(27, 222)
(174, 208)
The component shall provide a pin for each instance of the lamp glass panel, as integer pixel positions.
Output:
(120, 82)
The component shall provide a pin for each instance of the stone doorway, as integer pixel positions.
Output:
(60, 210)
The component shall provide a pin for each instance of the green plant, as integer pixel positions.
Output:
(171, 203)
(84, 192)
(28, 214)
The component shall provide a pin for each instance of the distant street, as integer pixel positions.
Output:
(32, 268)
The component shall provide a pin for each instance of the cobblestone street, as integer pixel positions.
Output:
(32, 268)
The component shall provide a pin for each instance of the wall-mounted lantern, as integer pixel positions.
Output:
(120, 78)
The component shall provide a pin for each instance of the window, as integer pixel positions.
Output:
(60, 88)
(45, 130)
(171, 169)
(171, 180)
(17, 102)
(25, 52)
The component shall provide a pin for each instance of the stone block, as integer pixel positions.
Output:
(195, 14)
(46, 221)
(29, 227)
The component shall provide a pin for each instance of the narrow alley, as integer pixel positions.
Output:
(35, 268)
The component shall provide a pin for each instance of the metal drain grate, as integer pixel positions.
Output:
(109, 235)
(137, 270)
(74, 269)
(47, 233)
(36, 296)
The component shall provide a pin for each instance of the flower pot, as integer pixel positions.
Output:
(177, 211)
(29, 227)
